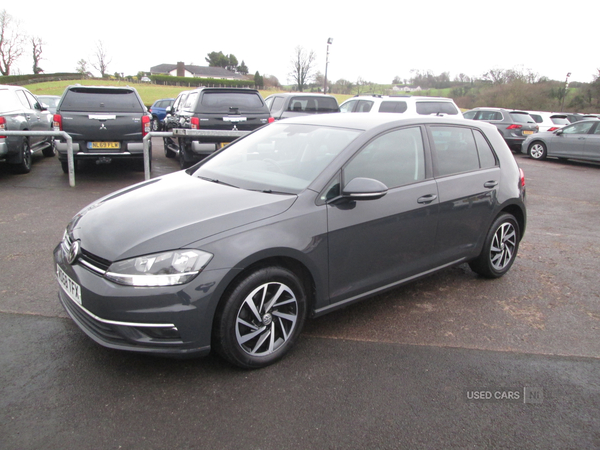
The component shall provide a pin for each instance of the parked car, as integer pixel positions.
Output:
(216, 109)
(171, 121)
(20, 110)
(284, 105)
(514, 126)
(579, 140)
(548, 121)
(159, 112)
(106, 123)
(49, 101)
(406, 104)
(297, 219)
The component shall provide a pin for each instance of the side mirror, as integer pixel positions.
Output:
(364, 189)
(43, 106)
(558, 132)
(169, 109)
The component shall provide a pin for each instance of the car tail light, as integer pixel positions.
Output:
(271, 119)
(145, 125)
(2, 126)
(521, 178)
(553, 128)
(514, 126)
(57, 122)
(195, 123)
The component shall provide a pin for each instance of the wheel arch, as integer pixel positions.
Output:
(518, 213)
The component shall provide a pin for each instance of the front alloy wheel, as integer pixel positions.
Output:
(537, 150)
(261, 318)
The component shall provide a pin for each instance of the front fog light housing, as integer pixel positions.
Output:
(159, 269)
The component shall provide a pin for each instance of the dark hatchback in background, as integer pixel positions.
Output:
(285, 105)
(299, 218)
(20, 110)
(579, 140)
(106, 123)
(514, 126)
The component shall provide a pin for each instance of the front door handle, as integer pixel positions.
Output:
(490, 184)
(427, 199)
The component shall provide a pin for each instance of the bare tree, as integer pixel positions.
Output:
(82, 67)
(302, 65)
(11, 42)
(37, 44)
(102, 60)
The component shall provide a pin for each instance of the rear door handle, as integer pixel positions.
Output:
(427, 199)
(490, 184)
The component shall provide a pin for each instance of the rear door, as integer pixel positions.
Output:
(468, 176)
(375, 243)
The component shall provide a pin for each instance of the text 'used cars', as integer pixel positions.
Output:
(294, 220)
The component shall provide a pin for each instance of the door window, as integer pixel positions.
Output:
(578, 128)
(454, 150)
(395, 158)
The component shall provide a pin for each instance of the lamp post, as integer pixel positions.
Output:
(562, 106)
(329, 42)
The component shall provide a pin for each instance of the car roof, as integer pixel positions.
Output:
(300, 94)
(369, 121)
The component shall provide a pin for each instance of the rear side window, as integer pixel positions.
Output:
(105, 100)
(454, 150)
(226, 101)
(313, 104)
(392, 107)
(487, 158)
(427, 108)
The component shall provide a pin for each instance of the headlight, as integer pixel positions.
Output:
(159, 269)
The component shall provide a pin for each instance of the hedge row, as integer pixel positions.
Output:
(20, 80)
(196, 82)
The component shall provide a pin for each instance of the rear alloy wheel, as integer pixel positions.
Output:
(155, 124)
(261, 318)
(23, 166)
(500, 248)
(538, 150)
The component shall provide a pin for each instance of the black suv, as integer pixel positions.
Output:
(215, 109)
(104, 122)
(20, 110)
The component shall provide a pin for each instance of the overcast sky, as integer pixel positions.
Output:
(374, 40)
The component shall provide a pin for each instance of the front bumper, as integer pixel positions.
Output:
(171, 321)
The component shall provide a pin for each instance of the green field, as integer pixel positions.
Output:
(149, 92)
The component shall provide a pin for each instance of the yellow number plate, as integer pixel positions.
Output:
(99, 145)
(527, 132)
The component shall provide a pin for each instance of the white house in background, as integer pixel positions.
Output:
(406, 88)
(182, 70)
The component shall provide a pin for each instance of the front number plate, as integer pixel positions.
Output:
(103, 145)
(72, 289)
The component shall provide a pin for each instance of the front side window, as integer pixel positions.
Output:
(578, 128)
(454, 150)
(470, 115)
(395, 158)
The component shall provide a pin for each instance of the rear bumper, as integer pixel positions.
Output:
(128, 150)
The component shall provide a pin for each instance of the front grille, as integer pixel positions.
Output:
(94, 260)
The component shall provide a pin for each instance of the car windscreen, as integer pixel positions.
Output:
(521, 117)
(226, 102)
(427, 108)
(317, 104)
(279, 158)
(105, 100)
(9, 101)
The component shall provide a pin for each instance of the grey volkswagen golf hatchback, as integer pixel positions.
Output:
(294, 220)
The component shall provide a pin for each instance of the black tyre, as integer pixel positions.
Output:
(500, 248)
(24, 165)
(50, 151)
(538, 150)
(261, 318)
(155, 124)
(185, 160)
(168, 152)
(65, 166)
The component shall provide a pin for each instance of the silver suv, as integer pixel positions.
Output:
(407, 104)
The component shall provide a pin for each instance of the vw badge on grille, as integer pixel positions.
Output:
(73, 252)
